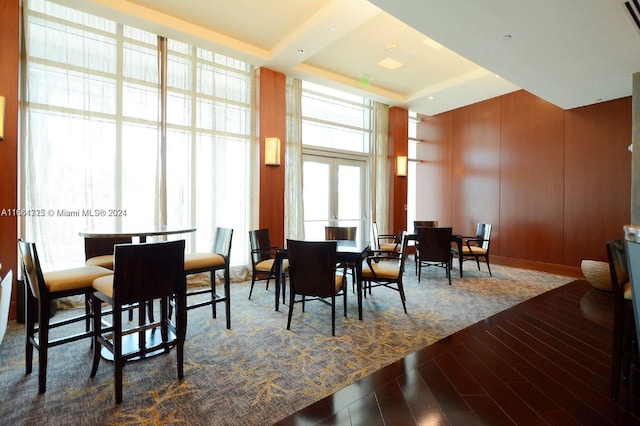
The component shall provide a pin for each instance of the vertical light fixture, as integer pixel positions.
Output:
(401, 165)
(272, 151)
(3, 102)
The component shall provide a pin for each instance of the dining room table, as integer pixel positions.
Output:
(346, 251)
(141, 233)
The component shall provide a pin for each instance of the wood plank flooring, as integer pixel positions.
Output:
(545, 361)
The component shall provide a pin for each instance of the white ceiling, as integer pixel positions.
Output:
(569, 52)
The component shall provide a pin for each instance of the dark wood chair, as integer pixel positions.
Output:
(216, 260)
(416, 225)
(435, 249)
(625, 346)
(384, 242)
(42, 289)
(143, 273)
(474, 248)
(343, 233)
(263, 256)
(99, 251)
(380, 269)
(312, 275)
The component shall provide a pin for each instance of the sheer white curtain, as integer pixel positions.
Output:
(293, 208)
(93, 142)
(380, 169)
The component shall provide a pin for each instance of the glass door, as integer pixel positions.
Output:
(333, 194)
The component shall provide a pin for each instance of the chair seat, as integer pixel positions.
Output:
(104, 285)
(73, 279)
(194, 261)
(266, 265)
(105, 261)
(382, 269)
(474, 250)
(389, 247)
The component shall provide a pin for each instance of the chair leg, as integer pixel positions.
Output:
(214, 311)
(402, 296)
(488, 267)
(253, 281)
(118, 359)
(227, 297)
(333, 314)
(291, 303)
(97, 330)
(43, 344)
(31, 306)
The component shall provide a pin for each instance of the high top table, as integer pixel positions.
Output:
(133, 231)
(346, 251)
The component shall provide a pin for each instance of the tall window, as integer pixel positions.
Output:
(414, 120)
(336, 139)
(93, 152)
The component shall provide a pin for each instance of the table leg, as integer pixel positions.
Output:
(278, 273)
(359, 280)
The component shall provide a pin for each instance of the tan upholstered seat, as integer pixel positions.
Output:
(211, 262)
(104, 261)
(381, 269)
(262, 259)
(43, 288)
(73, 279)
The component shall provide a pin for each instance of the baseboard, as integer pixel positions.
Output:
(552, 268)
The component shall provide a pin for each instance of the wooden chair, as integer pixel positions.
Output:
(416, 225)
(5, 300)
(435, 249)
(43, 289)
(343, 233)
(262, 259)
(312, 275)
(476, 248)
(143, 273)
(386, 271)
(99, 251)
(384, 242)
(625, 346)
(216, 260)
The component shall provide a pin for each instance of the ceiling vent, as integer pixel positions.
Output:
(634, 11)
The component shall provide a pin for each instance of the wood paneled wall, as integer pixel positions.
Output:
(555, 184)
(10, 65)
(398, 145)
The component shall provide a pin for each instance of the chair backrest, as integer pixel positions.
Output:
(102, 246)
(148, 271)
(340, 233)
(312, 267)
(435, 244)
(618, 267)
(5, 300)
(260, 245)
(404, 239)
(31, 268)
(424, 223)
(483, 233)
(222, 242)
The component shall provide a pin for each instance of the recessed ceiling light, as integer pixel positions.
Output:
(390, 64)
(430, 98)
(506, 37)
(332, 28)
(301, 51)
(392, 47)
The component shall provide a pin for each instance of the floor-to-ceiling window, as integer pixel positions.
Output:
(336, 139)
(107, 139)
(414, 120)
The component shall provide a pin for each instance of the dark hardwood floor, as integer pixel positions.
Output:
(545, 361)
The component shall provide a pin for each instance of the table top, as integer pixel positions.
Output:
(133, 231)
(343, 247)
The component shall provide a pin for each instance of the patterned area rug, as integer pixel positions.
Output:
(258, 372)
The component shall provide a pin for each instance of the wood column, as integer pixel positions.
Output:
(398, 145)
(10, 63)
(270, 122)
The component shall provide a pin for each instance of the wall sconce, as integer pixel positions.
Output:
(271, 151)
(401, 165)
(3, 103)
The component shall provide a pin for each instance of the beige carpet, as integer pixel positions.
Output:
(258, 372)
